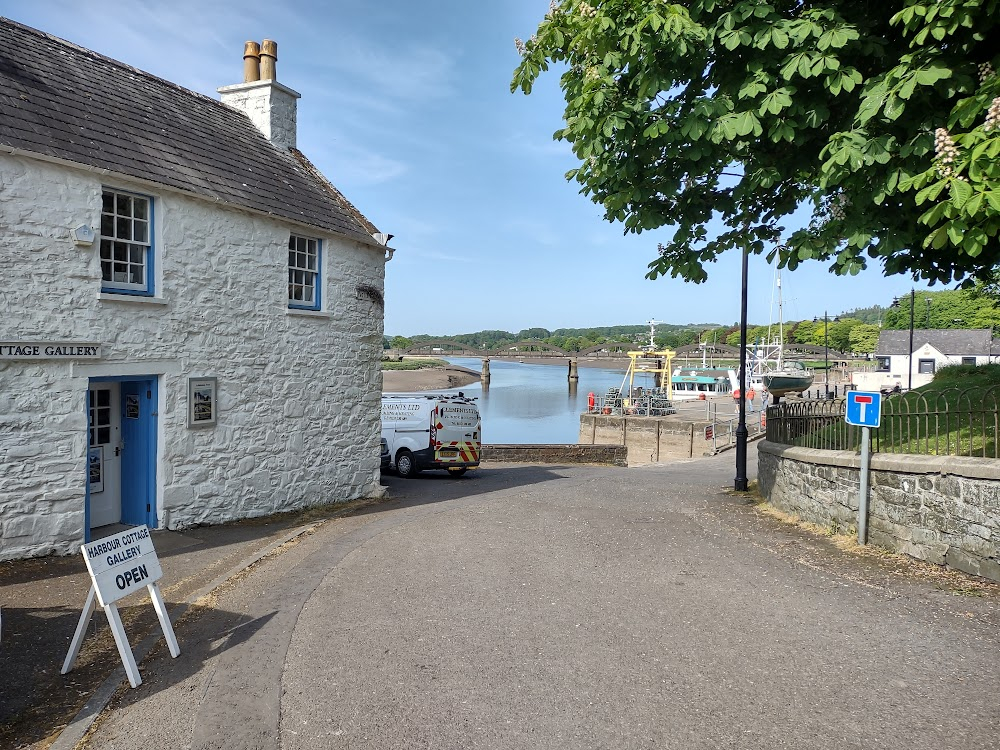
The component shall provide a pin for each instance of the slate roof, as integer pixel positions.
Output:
(64, 101)
(952, 342)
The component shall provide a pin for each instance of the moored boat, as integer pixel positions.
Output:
(700, 383)
(789, 377)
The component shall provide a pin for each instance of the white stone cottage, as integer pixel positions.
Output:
(190, 314)
(932, 349)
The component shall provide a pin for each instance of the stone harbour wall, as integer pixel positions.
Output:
(298, 392)
(945, 510)
(611, 455)
(648, 439)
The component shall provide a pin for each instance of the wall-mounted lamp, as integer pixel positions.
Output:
(84, 235)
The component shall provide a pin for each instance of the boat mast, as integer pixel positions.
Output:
(781, 325)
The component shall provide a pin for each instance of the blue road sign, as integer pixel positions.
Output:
(864, 409)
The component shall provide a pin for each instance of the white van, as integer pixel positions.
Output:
(431, 431)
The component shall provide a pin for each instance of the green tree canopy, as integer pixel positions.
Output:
(883, 118)
(864, 338)
(400, 342)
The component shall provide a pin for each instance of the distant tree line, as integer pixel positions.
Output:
(855, 331)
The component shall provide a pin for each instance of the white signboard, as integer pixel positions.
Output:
(120, 565)
(48, 350)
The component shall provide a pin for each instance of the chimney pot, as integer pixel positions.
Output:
(251, 62)
(268, 58)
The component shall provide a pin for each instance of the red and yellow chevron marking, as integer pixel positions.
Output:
(468, 452)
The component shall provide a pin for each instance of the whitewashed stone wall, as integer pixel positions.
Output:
(945, 510)
(298, 393)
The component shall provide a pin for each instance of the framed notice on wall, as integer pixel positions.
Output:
(203, 405)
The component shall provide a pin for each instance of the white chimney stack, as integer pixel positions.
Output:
(269, 105)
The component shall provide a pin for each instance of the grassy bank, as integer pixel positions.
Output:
(413, 364)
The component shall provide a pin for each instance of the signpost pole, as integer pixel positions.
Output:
(866, 462)
(864, 410)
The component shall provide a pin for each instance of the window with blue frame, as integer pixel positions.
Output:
(304, 263)
(126, 243)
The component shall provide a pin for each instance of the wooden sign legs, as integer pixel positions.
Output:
(118, 631)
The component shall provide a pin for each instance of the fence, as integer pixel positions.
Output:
(949, 423)
(719, 428)
(722, 433)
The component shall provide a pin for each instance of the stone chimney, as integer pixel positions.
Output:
(269, 105)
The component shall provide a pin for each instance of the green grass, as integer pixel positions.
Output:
(413, 364)
(955, 414)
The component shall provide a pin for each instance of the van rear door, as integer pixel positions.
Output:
(456, 433)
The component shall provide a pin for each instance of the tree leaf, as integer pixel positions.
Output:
(961, 191)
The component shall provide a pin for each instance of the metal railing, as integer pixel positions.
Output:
(719, 429)
(950, 423)
(722, 433)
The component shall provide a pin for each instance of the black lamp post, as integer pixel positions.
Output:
(741, 483)
(909, 355)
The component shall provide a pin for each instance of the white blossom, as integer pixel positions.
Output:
(985, 72)
(520, 46)
(945, 153)
(587, 10)
(993, 116)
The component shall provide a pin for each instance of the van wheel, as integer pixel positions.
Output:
(406, 467)
(457, 472)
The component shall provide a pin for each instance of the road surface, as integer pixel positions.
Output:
(573, 607)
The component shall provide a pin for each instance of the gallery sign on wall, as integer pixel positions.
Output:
(30, 350)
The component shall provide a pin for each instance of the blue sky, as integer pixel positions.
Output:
(406, 107)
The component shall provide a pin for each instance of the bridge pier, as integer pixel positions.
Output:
(484, 376)
(573, 373)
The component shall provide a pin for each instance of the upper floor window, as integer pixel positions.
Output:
(126, 243)
(304, 273)
(968, 360)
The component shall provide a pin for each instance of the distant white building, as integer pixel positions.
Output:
(932, 349)
(191, 315)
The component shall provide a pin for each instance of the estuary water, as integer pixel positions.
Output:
(530, 403)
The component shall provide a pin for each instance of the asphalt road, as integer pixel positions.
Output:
(573, 607)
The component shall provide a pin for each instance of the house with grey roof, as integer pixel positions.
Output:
(899, 365)
(191, 314)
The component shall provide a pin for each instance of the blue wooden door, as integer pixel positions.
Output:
(138, 403)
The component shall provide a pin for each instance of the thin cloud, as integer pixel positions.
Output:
(539, 231)
(530, 145)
